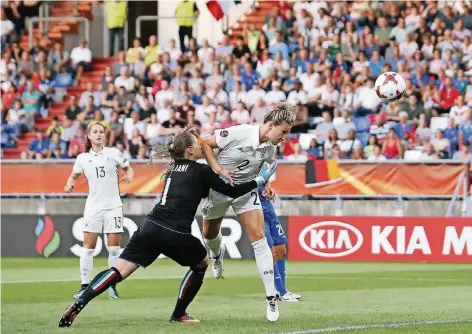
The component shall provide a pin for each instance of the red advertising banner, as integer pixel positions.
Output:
(353, 179)
(386, 239)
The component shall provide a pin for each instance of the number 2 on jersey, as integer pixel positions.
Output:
(100, 172)
(243, 165)
(255, 198)
(166, 190)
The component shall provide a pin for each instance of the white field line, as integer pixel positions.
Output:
(383, 278)
(315, 277)
(385, 325)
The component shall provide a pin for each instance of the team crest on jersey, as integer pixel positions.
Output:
(205, 210)
(263, 153)
(224, 133)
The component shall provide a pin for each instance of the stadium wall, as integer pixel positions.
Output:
(311, 238)
(134, 206)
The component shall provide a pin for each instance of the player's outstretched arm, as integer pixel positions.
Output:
(71, 182)
(221, 185)
(128, 174)
(208, 146)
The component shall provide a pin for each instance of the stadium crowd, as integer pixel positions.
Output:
(323, 57)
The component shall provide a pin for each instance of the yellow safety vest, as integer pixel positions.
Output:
(185, 9)
(116, 14)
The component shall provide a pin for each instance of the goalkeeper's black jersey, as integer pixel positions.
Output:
(184, 188)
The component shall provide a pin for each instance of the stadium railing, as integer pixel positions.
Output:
(142, 18)
(34, 20)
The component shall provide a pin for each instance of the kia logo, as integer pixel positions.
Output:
(330, 239)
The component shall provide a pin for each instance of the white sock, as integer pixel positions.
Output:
(214, 245)
(265, 265)
(113, 254)
(86, 265)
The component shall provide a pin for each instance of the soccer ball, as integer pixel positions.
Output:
(390, 86)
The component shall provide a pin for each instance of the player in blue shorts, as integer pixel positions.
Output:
(277, 239)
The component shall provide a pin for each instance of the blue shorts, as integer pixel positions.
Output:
(274, 231)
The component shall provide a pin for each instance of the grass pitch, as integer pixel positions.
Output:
(337, 297)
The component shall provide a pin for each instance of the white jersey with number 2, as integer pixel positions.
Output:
(240, 151)
(101, 171)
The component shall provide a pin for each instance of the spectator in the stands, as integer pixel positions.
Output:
(464, 154)
(241, 49)
(78, 140)
(151, 50)
(73, 110)
(125, 80)
(301, 120)
(369, 148)
(117, 15)
(275, 95)
(465, 128)
(30, 100)
(459, 110)
(81, 57)
(57, 149)
(298, 154)
(441, 144)
(423, 132)
(331, 141)
(89, 108)
(121, 62)
(6, 29)
(447, 97)
(38, 148)
(240, 115)
(132, 123)
(55, 127)
(132, 53)
(90, 92)
(367, 101)
(379, 128)
(392, 147)
(347, 145)
(347, 125)
(324, 128)
(58, 57)
(172, 123)
(186, 13)
(255, 93)
(249, 76)
(225, 48)
(377, 154)
(107, 78)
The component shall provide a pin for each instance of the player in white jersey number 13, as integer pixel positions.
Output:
(241, 151)
(104, 208)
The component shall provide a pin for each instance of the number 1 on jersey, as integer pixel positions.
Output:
(166, 189)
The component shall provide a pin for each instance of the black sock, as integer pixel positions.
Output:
(84, 286)
(101, 283)
(189, 288)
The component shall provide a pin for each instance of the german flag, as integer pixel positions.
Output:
(321, 172)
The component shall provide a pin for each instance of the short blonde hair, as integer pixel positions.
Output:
(283, 113)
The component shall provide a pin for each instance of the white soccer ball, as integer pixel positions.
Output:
(390, 86)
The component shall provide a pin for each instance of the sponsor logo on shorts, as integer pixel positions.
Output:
(269, 272)
(330, 239)
(224, 133)
(48, 240)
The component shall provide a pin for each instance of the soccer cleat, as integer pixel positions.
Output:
(112, 292)
(294, 295)
(71, 313)
(80, 292)
(217, 266)
(288, 297)
(187, 318)
(272, 309)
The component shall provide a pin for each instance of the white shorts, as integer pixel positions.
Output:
(106, 221)
(216, 204)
